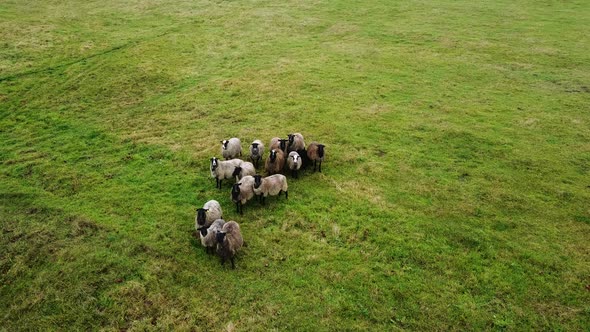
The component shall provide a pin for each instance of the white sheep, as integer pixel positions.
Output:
(231, 148)
(223, 169)
(245, 168)
(210, 212)
(296, 142)
(270, 185)
(294, 163)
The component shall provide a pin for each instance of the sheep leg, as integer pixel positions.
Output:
(320, 166)
(233, 265)
(314, 164)
(237, 207)
(287, 194)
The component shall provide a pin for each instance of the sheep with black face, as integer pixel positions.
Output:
(296, 142)
(315, 153)
(229, 241)
(271, 185)
(245, 168)
(279, 144)
(208, 235)
(242, 192)
(210, 212)
(275, 162)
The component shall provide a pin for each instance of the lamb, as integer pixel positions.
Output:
(294, 163)
(270, 185)
(229, 241)
(209, 235)
(223, 169)
(242, 192)
(256, 152)
(279, 144)
(245, 168)
(210, 212)
(275, 162)
(295, 142)
(315, 153)
(231, 148)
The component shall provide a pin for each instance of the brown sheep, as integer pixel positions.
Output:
(315, 153)
(275, 162)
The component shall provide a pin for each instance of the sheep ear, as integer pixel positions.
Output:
(239, 184)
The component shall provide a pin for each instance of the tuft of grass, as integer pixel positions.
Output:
(453, 196)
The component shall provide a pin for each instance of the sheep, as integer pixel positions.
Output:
(315, 153)
(270, 185)
(275, 162)
(294, 163)
(210, 212)
(242, 192)
(208, 235)
(279, 144)
(229, 241)
(223, 169)
(295, 142)
(231, 148)
(245, 168)
(304, 158)
(256, 152)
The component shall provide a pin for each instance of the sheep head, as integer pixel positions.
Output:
(283, 143)
(201, 216)
(255, 148)
(214, 163)
(235, 191)
(273, 155)
(257, 181)
(203, 230)
(237, 171)
(224, 144)
(220, 236)
(321, 150)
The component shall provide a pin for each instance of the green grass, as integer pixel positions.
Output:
(454, 195)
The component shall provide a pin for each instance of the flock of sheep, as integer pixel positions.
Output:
(287, 154)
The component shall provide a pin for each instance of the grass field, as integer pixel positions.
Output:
(455, 194)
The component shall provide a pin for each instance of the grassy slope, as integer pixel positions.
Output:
(455, 194)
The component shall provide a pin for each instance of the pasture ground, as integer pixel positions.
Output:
(455, 194)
